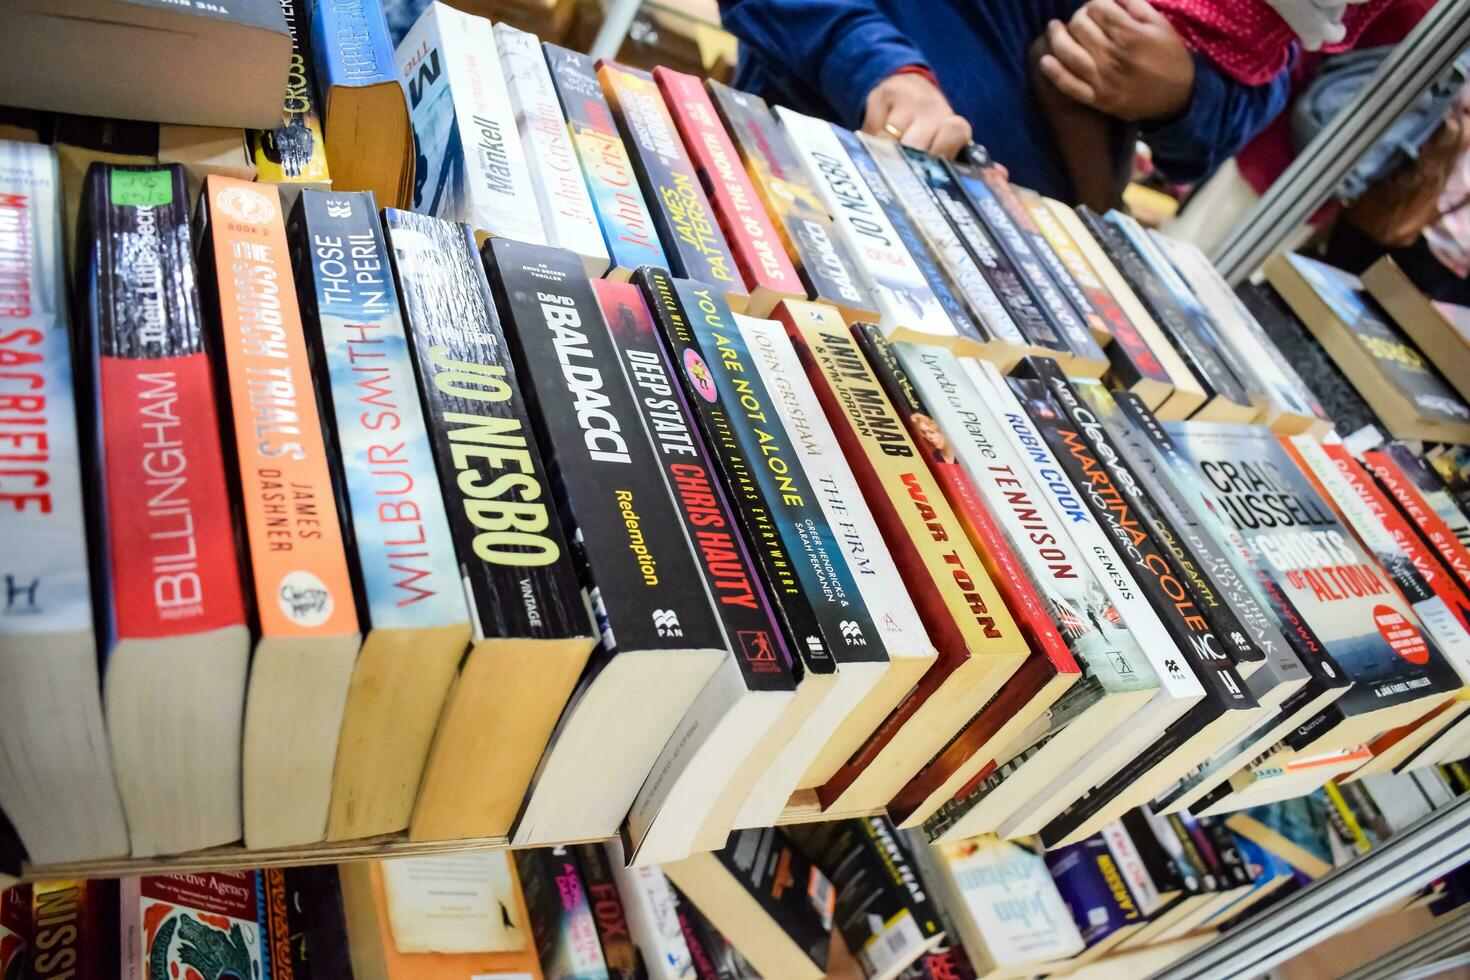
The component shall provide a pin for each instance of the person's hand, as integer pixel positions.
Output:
(1121, 57)
(908, 107)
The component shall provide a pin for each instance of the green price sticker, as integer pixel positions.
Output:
(142, 188)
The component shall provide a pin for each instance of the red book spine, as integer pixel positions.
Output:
(1412, 503)
(172, 542)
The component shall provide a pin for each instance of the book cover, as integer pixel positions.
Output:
(294, 152)
(64, 802)
(906, 302)
(401, 558)
(1022, 312)
(74, 931)
(1441, 331)
(627, 226)
(1129, 860)
(822, 259)
(882, 908)
(15, 931)
(988, 316)
(153, 428)
(205, 922)
(294, 559)
(692, 237)
(567, 941)
(1420, 496)
(958, 603)
(567, 214)
(754, 241)
(473, 166)
(1328, 578)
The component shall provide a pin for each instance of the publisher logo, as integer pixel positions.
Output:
(852, 632)
(245, 204)
(304, 599)
(666, 621)
(699, 375)
(758, 649)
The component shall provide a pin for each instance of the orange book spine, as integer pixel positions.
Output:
(298, 563)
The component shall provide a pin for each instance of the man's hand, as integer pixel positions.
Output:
(1121, 57)
(908, 106)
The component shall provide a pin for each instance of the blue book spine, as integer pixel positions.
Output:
(350, 44)
(399, 534)
(1093, 889)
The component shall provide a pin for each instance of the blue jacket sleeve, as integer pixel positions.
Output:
(846, 46)
(1222, 116)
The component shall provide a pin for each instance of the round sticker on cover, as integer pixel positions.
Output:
(1401, 634)
(304, 599)
(699, 375)
(245, 204)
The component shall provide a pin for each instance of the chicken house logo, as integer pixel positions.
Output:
(245, 204)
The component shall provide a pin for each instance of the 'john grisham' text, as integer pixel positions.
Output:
(503, 493)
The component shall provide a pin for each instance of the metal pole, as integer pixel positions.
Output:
(1308, 182)
(1433, 846)
(617, 18)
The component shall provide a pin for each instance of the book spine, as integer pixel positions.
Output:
(826, 266)
(841, 500)
(156, 429)
(606, 906)
(681, 211)
(1131, 867)
(351, 43)
(567, 215)
(299, 570)
(474, 166)
(1113, 495)
(1012, 240)
(757, 247)
(496, 488)
(805, 640)
(45, 559)
(820, 567)
(627, 227)
(903, 296)
(567, 940)
(999, 271)
(1403, 478)
(750, 626)
(647, 587)
(987, 314)
(405, 567)
(293, 152)
(908, 235)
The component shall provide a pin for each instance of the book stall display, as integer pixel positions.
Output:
(472, 508)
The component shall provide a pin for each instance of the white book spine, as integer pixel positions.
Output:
(566, 207)
(465, 129)
(653, 921)
(903, 294)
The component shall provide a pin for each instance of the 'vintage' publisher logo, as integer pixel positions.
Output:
(699, 375)
(245, 204)
(304, 599)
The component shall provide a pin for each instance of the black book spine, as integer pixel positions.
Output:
(1221, 838)
(1143, 833)
(1112, 493)
(995, 265)
(543, 872)
(520, 575)
(1013, 240)
(752, 630)
(765, 862)
(710, 953)
(794, 610)
(606, 904)
(646, 586)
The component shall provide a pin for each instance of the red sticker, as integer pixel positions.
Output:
(1401, 634)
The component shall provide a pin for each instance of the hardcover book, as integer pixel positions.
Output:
(821, 256)
(907, 644)
(294, 562)
(690, 786)
(767, 897)
(718, 363)
(294, 151)
(531, 629)
(754, 241)
(162, 610)
(661, 640)
(405, 576)
(979, 644)
(568, 217)
(1403, 388)
(885, 914)
(692, 237)
(370, 139)
(1327, 577)
(908, 306)
(56, 777)
(1000, 339)
(172, 924)
(1441, 331)
(473, 165)
(627, 227)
